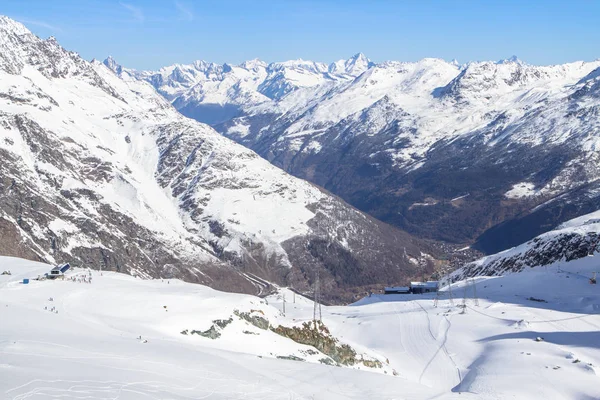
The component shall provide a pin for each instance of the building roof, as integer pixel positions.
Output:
(428, 284)
(397, 289)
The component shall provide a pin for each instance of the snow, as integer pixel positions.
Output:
(521, 190)
(313, 147)
(59, 225)
(91, 347)
(13, 26)
(256, 213)
(460, 197)
(240, 130)
(587, 219)
(253, 83)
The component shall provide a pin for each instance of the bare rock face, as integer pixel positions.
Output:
(102, 172)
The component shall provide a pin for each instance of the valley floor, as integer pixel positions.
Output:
(120, 338)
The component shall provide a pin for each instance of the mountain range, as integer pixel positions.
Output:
(103, 172)
(488, 154)
(100, 168)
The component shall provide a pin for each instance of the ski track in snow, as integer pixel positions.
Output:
(442, 345)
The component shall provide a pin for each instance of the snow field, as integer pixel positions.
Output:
(92, 348)
(120, 337)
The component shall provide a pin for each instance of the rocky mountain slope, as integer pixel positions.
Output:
(575, 239)
(442, 150)
(103, 172)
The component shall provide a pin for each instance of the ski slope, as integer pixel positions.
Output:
(115, 339)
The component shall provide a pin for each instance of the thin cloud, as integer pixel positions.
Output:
(184, 11)
(136, 12)
(41, 24)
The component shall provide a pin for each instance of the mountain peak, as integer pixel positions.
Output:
(254, 64)
(10, 25)
(200, 65)
(359, 57)
(511, 60)
(359, 61)
(113, 65)
(354, 66)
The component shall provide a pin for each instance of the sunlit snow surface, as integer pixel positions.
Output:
(91, 347)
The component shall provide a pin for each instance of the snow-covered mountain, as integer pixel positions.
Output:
(103, 172)
(214, 93)
(440, 149)
(574, 240)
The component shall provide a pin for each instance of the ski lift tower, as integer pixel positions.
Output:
(317, 316)
(439, 293)
(470, 285)
(591, 254)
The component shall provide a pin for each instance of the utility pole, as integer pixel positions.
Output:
(464, 300)
(284, 304)
(476, 300)
(438, 293)
(317, 301)
(469, 284)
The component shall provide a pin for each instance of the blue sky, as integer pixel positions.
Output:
(153, 33)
